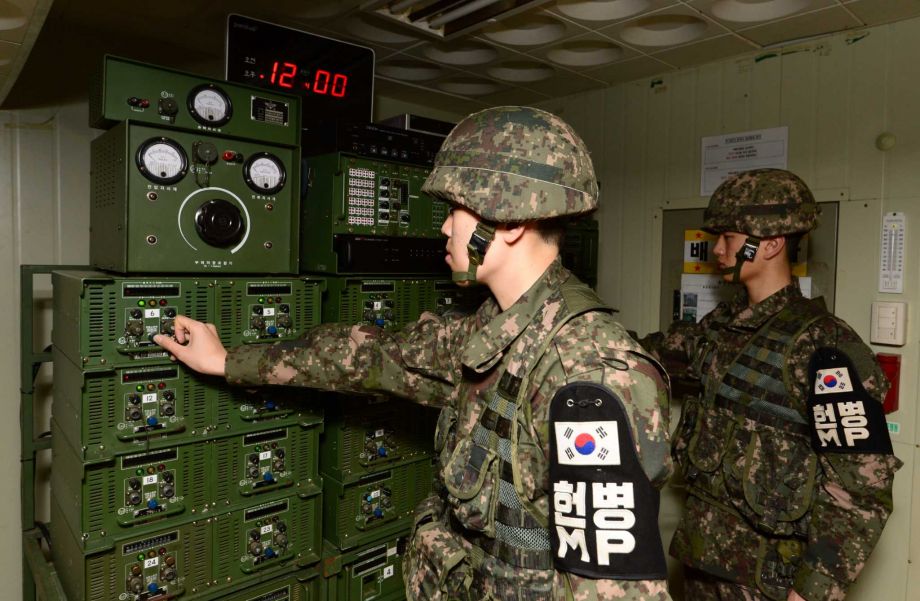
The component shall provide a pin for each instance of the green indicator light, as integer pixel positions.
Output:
(258, 448)
(139, 472)
(141, 303)
(141, 557)
(139, 388)
(261, 299)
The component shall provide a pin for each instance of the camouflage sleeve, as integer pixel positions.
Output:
(675, 349)
(853, 497)
(597, 349)
(420, 362)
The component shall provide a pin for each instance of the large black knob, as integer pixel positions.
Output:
(220, 223)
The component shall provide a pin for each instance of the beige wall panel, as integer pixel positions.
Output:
(831, 115)
(885, 575)
(736, 100)
(798, 109)
(37, 171)
(10, 555)
(708, 103)
(683, 175)
(635, 225)
(902, 175)
(866, 96)
(611, 247)
(913, 557)
(764, 91)
(73, 185)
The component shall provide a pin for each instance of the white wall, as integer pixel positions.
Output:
(836, 95)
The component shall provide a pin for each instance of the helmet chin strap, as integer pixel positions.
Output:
(477, 246)
(745, 253)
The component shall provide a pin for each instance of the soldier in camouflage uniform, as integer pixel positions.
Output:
(786, 454)
(509, 522)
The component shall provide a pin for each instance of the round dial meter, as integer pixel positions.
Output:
(264, 173)
(162, 160)
(209, 105)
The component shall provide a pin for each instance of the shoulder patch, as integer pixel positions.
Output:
(844, 417)
(604, 510)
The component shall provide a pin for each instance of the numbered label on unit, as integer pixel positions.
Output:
(894, 239)
(379, 433)
(152, 562)
(265, 455)
(267, 529)
(388, 571)
(150, 479)
(151, 313)
(268, 312)
(150, 397)
(375, 494)
(378, 305)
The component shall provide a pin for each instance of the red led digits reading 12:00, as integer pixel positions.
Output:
(324, 82)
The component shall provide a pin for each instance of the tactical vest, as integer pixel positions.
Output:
(483, 491)
(742, 447)
(519, 533)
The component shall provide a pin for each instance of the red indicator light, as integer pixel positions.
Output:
(162, 550)
(229, 155)
(144, 103)
(162, 302)
(161, 467)
(261, 75)
(161, 385)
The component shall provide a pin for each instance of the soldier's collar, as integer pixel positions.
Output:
(486, 347)
(754, 316)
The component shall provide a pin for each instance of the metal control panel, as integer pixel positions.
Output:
(365, 434)
(268, 536)
(370, 573)
(374, 506)
(128, 409)
(124, 89)
(254, 465)
(370, 216)
(176, 201)
(266, 310)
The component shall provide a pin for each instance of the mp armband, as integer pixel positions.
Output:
(844, 418)
(603, 509)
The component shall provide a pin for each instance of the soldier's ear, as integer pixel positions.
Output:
(772, 247)
(512, 232)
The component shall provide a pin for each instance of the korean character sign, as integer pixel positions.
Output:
(844, 418)
(603, 510)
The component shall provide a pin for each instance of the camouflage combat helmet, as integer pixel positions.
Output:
(514, 163)
(762, 203)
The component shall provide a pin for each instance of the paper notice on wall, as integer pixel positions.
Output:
(725, 155)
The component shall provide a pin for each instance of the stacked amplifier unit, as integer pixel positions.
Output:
(167, 484)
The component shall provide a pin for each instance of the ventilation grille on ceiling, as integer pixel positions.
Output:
(448, 19)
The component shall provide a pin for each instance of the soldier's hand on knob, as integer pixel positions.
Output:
(196, 344)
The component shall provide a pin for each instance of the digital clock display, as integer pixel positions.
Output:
(335, 79)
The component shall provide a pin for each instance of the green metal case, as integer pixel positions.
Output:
(364, 435)
(102, 320)
(125, 89)
(351, 197)
(252, 310)
(174, 201)
(305, 585)
(130, 409)
(249, 466)
(372, 573)
(212, 556)
(375, 506)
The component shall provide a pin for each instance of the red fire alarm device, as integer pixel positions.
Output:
(891, 365)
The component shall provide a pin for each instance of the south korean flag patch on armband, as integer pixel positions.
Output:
(844, 418)
(603, 510)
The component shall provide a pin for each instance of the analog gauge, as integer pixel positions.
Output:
(209, 105)
(264, 173)
(162, 160)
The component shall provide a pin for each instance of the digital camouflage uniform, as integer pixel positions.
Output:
(763, 509)
(485, 534)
